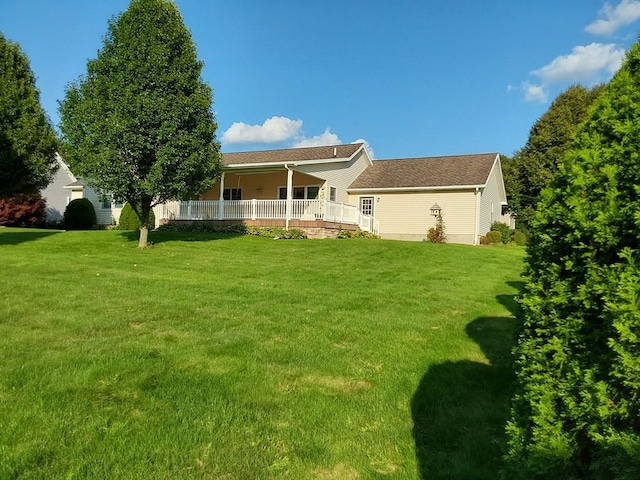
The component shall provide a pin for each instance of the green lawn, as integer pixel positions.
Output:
(236, 357)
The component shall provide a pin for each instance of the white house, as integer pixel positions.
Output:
(65, 187)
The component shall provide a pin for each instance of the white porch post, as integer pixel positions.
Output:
(289, 196)
(221, 200)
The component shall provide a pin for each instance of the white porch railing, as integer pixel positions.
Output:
(266, 209)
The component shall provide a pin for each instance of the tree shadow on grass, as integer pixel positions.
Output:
(161, 237)
(460, 408)
(11, 237)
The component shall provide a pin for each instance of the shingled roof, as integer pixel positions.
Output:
(291, 155)
(450, 171)
(77, 183)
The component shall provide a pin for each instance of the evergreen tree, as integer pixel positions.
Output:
(139, 124)
(577, 412)
(27, 141)
(531, 168)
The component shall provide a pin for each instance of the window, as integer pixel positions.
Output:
(333, 194)
(300, 193)
(107, 202)
(366, 205)
(232, 194)
(312, 192)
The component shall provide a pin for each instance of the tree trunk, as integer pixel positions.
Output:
(144, 233)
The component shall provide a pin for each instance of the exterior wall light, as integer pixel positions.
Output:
(436, 210)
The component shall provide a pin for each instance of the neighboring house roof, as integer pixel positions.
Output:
(77, 183)
(64, 167)
(334, 153)
(427, 172)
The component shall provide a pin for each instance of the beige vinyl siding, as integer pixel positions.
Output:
(491, 200)
(339, 175)
(407, 215)
(260, 186)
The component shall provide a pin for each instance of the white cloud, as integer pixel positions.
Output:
(612, 18)
(584, 63)
(534, 93)
(325, 138)
(281, 129)
(274, 129)
(367, 147)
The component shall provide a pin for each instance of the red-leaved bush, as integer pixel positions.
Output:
(22, 210)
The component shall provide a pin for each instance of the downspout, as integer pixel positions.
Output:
(476, 232)
(289, 189)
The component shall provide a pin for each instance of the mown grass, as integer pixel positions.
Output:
(213, 356)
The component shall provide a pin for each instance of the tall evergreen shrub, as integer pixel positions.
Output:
(577, 412)
(129, 219)
(79, 215)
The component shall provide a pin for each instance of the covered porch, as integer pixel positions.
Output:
(276, 212)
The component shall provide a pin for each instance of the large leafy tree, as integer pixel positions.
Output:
(139, 124)
(531, 168)
(27, 141)
(577, 412)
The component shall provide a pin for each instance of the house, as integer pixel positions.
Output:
(322, 189)
(65, 187)
(467, 190)
(340, 186)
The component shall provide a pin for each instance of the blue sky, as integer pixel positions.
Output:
(411, 77)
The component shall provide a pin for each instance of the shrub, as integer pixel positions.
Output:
(575, 413)
(276, 232)
(213, 227)
(505, 231)
(494, 237)
(79, 215)
(437, 234)
(344, 233)
(519, 238)
(363, 234)
(484, 240)
(22, 210)
(129, 220)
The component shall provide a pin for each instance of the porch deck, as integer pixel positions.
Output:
(277, 211)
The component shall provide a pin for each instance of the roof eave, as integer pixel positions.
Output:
(282, 164)
(414, 189)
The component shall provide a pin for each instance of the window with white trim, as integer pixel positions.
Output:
(300, 193)
(333, 194)
(107, 201)
(366, 205)
(232, 194)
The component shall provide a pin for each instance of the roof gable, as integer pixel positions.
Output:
(292, 155)
(427, 172)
